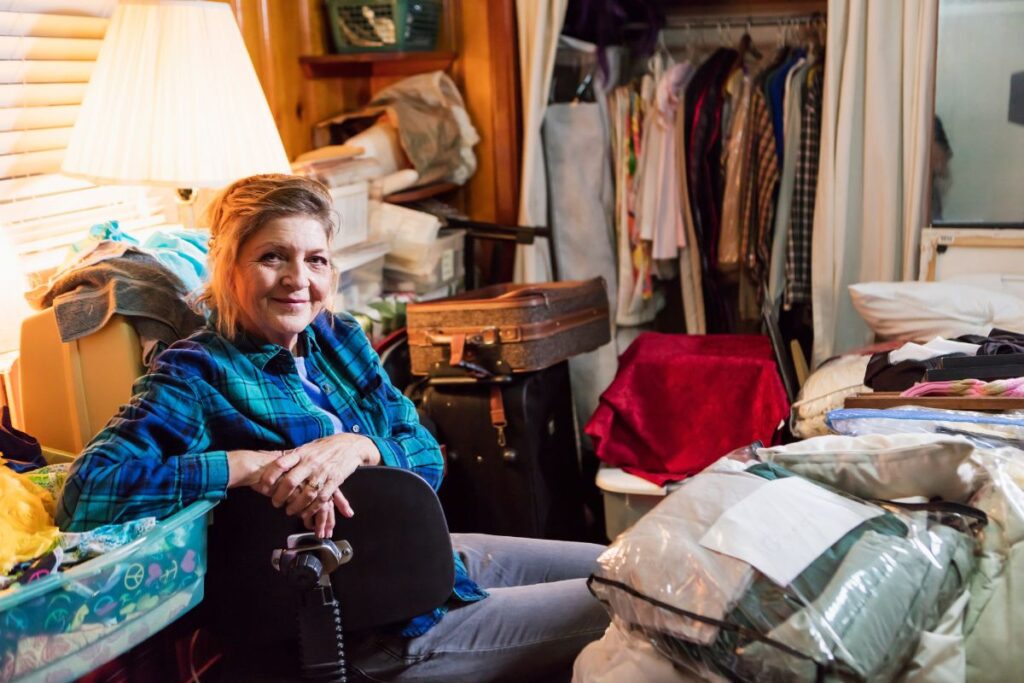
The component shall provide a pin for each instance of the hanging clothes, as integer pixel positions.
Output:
(798, 255)
(659, 212)
(787, 178)
(736, 159)
(580, 202)
(690, 268)
(763, 174)
(637, 304)
(704, 100)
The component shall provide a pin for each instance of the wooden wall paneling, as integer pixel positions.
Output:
(486, 73)
(483, 34)
(324, 97)
(276, 33)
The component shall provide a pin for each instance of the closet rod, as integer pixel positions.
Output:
(703, 22)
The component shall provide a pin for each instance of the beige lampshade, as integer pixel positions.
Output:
(174, 100)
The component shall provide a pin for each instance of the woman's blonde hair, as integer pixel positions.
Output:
(236, 214)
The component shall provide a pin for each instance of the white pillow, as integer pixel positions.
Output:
(886, 466)
(919, 311)
(826, 389)
(1007, 283)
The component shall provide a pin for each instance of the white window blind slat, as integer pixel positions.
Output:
(28, 118)
(131, 202)
(16, 71)
(22, 189)
(47, 54)
(41, 94)
(78, 8)
(17, 141)
(58, 233)
(14, 47)
(51, 25)
(41, 208)
(30, 163)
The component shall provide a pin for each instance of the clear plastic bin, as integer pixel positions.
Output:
(361, 274)
(65, 625)
(627, 498)
(440, 266)
(352, 204)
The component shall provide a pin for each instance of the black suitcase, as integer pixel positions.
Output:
(520, 478)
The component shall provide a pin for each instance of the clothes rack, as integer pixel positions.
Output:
(704, 22)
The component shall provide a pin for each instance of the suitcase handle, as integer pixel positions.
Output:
(485, 336)
(493, 334)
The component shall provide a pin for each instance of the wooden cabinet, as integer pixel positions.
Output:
(305, 84)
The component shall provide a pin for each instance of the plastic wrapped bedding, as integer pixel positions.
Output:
(886, 466)
(824, 391)
(854, 585)
(983, 429)
(995, 615)
(620, 657)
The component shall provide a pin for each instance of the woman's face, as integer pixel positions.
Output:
(282, 278)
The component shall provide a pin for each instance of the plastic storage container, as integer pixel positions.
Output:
(361, 274)
(439, 268)
(627, 498)
(65, 625)
(351, 203)
(384, 25)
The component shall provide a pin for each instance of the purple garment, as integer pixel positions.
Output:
(20, 451)
(603, 22)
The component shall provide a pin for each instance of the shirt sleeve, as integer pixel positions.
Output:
(409, 445)
(150, 460)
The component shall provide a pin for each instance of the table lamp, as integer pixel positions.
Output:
(174, 101)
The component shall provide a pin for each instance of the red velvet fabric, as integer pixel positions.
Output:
(680, 402)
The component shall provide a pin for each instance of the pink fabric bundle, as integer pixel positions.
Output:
(1009, 388)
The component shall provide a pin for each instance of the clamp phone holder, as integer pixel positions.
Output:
(307, 564)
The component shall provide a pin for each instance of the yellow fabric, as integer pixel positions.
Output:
(26, 520)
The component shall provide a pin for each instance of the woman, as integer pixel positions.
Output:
(281, 396)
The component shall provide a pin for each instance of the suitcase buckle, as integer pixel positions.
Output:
(488, 336)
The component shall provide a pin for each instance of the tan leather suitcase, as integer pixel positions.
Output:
(509, 328)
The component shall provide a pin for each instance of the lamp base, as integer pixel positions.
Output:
(187, 206)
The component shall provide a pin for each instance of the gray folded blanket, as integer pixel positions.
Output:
(133, 284)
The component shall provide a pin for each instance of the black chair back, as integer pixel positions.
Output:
(402, 564)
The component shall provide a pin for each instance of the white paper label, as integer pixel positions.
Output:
(448, 264)
(784, 526)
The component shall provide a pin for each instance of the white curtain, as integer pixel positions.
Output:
(872, 182)
(539, 25)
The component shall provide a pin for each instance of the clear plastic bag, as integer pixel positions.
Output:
(984, 429)
(995, 614)
(863, 581)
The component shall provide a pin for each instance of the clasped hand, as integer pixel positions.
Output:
(305, 481)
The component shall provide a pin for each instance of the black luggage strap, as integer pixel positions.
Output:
(498, 418)
(821, 668)
(942, 506)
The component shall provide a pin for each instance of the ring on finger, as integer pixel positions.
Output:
(313, 487)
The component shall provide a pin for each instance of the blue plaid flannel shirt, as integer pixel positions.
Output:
(167, 448)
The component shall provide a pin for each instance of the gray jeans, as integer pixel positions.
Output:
(538, 617)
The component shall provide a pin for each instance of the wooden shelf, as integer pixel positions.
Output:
(366, 64)
(893, 399)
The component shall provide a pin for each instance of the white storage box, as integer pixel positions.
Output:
(360, 275)
(440, 265)
(627, 498)
(351, 203)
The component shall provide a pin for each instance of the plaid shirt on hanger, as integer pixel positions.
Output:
(801, 226)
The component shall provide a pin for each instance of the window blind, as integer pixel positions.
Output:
(47, 52)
